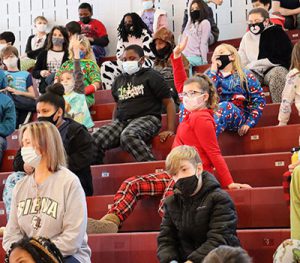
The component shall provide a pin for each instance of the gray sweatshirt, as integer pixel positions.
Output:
(62, 217)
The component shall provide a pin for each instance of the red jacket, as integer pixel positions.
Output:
(198, 130)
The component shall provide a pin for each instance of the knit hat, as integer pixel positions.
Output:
(287, 252)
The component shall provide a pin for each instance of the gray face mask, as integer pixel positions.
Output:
(57, 41)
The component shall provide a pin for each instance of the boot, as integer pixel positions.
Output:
(107, 224)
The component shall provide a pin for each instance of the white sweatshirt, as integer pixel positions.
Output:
(63, 214)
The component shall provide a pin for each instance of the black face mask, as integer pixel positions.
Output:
(197, 15)
(49, 118)
(224, 60)
(164, 53)
(256, 28)
(129, 28)
(85, 19)
(187, 186)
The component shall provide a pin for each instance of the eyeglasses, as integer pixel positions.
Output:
(190, 93)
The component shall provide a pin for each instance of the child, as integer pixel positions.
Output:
(19, 85)
(90, 69)
(77, 108)
(93, 29)
(38, 249)
(194, 216)
(291, 91)
(198, 31)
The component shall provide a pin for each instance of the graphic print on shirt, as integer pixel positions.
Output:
(89, 30)
(17, 81)
(130, 91)
(34, 206)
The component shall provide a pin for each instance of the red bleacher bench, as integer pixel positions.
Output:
(103, 96)
(7, 160)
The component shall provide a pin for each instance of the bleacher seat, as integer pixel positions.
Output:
(103, 96)
(7, 160)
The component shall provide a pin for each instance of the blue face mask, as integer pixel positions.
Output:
(82, 54)
(147, 5)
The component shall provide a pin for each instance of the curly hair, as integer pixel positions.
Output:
(138, 27)
(42, 250)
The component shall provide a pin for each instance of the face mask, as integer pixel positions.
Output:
(2, 46)
(131, 67)
(30, 156)
(188, 185)
(257, 28)
(82, 54)
(49, 119)
(11, 62)
(147, 5)
(41, 27)
(224, 60)
(85, 19)
(69, 87)
(194, 103)
(129, 28)
(164, 53)
(57, 41)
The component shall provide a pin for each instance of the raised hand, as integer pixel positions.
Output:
(180, 47)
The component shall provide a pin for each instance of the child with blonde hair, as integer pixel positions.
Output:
(291, 91)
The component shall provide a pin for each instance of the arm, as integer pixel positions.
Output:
(242, 53)
(283, 11)
(146, 40)
(222, 226)
(39, 65)
(167, 240)
(94, 77)
(28, 45)
(78, 76)
(101, 41)
(74, 221)
(213, 75)
(256, 100)
(204, 43)
(8, 122)
(13, 232)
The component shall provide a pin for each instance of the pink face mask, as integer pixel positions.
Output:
(194, 103)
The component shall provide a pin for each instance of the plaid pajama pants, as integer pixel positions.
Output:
(131, 135)
(139, 187)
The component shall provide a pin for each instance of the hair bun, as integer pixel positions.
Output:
(57, 89)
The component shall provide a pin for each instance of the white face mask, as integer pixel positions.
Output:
(41, 27)
(2, 46)
(194, 103)
(11, 62)
(147, 5)
(30, 156)
(68, 87)
(131, 67)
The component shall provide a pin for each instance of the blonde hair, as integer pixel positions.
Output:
(205, 84)
(40, 18)
(8, 50)
(45, 137)
(86, 44)
(295, 60)
(181, 153)
(236, 64)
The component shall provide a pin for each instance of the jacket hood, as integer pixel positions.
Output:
(164, 34)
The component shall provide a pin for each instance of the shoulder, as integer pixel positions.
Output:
(160, 12)
(74, 127)
(23, 183)
(69, 178)
(201, 116)
(293, 74)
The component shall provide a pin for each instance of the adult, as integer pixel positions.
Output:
(266, 50)
(131, 31)
(56, 199)
(153, 17)
(93, 29)
(290, 9)
(50, 59)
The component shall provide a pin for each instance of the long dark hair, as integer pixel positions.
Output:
(64, 32)
(138, 26)
(42, 250)
(203, 9)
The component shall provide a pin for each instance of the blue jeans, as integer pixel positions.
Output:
(70, 259)
(3, 145)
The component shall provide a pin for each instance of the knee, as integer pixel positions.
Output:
(126, 137)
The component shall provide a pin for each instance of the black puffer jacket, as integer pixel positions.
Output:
(193, 226)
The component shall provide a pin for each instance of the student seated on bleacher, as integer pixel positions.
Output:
(290, 9)
(7, 119)
(7, 38)
(227, 254)
(195, 216)
(198, 130)
(93, 29)
(50, 59)
(199, 33)
(90, 69)
(50, 202)
(266, 50)
(19, 85)
(131, 31)
(73, 28)
(140, 94)
(34, 250)
(76, 106)
(37, 42)
(291, 91)
(153, 17)
(76, 140)
(275, 18)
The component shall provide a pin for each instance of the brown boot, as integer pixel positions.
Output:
(107, 224)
